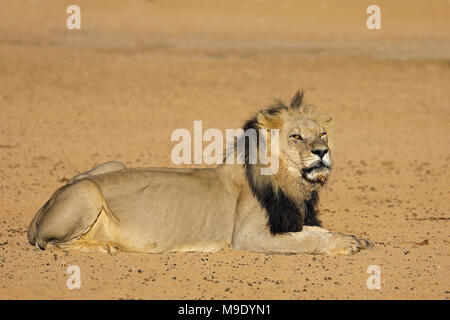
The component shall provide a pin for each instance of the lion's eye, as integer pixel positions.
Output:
(322, 134)
(296, 137)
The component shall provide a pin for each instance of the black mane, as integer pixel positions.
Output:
(283, 214)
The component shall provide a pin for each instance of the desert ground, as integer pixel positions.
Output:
(137, 70)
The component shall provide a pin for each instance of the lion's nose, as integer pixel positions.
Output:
(320, 152)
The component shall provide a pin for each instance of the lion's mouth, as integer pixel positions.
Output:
(317, 166)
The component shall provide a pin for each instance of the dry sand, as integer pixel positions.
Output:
(137, 70)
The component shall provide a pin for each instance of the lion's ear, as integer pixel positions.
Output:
(297, 100)
(327, 120)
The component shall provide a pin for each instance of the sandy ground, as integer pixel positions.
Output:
(137, 70)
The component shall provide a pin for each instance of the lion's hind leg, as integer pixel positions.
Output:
(68, 215)
(89, 246)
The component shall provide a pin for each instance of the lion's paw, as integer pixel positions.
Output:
(343, 244)
(365, 244)
(109, 247)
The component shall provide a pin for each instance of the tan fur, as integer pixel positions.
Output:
(111, 208)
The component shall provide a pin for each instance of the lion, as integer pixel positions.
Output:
(158, 210)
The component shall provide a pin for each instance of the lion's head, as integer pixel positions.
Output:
(290, 195)
(303, 137)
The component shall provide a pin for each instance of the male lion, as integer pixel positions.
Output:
(156, 210)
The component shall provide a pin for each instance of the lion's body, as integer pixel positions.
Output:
(150, 219)
(137, 213)
(155, 210)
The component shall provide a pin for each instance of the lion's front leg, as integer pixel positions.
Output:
(310, 240)
(323, 241)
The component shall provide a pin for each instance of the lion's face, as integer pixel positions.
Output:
(305, 148)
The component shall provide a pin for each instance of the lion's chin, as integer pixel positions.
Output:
(317, 175)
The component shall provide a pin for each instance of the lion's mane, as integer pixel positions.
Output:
(285, 212)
